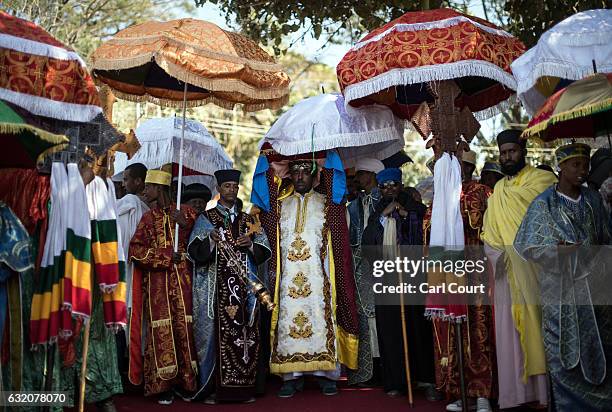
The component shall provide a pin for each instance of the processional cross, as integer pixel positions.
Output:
(246, 343)
(446, 122)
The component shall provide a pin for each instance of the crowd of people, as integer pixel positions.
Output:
(234, 297)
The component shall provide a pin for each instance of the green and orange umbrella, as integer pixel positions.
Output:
(24, 144)
(580, 110)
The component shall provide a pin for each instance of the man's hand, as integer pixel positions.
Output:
(244, 241)
(177, 257)
(179, 218)
(215, 235)
(402, 212)
(390, 208)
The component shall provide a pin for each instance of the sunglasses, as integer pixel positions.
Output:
(387, 185)
(307, 167)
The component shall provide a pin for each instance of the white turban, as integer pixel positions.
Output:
(368, 164)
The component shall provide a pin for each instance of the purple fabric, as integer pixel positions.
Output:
(512, 391)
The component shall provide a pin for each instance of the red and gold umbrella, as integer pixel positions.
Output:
(42, 75)
(152, 62)
(582, 109)
(393, 64)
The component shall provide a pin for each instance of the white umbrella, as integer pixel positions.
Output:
(160, 143)
(566, 52)
(322, 123)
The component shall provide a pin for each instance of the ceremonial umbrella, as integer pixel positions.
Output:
(393, 64)
(569, 51)
(42, 75)
(24, 144)
(323, 122)
(160, 141)
(189, 62)
(95, 136)
(581, 110)
(154, 61)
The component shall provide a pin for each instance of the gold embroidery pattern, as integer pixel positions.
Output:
(303, 287)
(303, 329)
(231, 311)
(299, 250)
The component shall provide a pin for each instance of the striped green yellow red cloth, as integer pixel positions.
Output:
(109, 264)
(82, 247)
(47, 317)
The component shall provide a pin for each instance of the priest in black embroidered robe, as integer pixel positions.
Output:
(226, 312)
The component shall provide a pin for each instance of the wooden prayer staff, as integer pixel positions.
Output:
(82, 380)
(405, 339)
(84, 366)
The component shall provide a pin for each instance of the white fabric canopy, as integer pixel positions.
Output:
(160, 144)
(565, 51)
(322, 123)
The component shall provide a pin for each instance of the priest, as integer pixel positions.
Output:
(314, 326)
(162, 301)
(226, 311)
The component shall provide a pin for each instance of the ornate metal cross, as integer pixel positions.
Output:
(444, 120)
(246, 343)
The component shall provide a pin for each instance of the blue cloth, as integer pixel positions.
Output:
(577, 336)
(334, 163)
(15, 254)
(260, 195)
(389, 175)
(204, 283)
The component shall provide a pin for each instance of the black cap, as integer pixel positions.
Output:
(510, 136)
(601, 164)
(197, 191)
(397, 160)
(229, 175)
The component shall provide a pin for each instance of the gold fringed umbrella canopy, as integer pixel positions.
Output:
(150, 62)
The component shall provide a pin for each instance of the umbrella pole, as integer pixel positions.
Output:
(405, 341)
(180, 173)
(459, 339)
(82, 381)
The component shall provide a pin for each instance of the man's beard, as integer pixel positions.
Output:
(513, 169)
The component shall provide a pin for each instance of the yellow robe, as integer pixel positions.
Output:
(506, 209)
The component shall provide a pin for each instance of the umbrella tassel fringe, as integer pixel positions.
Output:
(569, 115)
(51, 108)
(554, 69)
(224, 85)
(329, 142)
(431, 25)
(27, 46)
(432, 73)
(270, 104)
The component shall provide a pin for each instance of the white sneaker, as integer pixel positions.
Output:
(483, 405)
(457, 406)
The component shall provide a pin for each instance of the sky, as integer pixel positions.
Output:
(333, 53)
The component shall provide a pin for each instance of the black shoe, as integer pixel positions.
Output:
(107, 405)
(328, 387)
(290, 387)
(211, 400)
(165, 398)
(433, 395)
(187, 397)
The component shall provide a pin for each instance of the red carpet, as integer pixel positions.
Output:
(311, 400)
